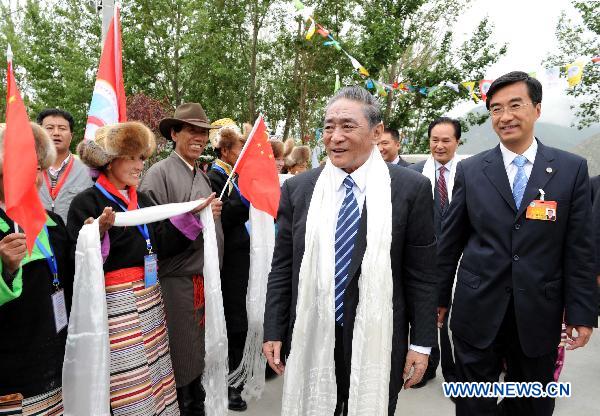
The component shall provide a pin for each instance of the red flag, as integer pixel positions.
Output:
(259, 182)
(109, 105)
(23, 204)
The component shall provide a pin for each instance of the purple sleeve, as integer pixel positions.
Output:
(105, 247)
(188, 224)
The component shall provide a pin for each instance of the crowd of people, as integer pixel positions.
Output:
(375, 260)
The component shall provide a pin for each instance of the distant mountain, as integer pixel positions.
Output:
(483, 137)
(590, 149)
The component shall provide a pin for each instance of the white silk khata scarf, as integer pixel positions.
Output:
(309, 385)
(251, 371)
(86, 369)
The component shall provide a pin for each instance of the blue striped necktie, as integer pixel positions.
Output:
(345, 236)
(520, 181)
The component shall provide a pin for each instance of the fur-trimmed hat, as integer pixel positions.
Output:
(226, 133)
(295, 155)
(44, 147)
(277, 146)
(124, 139)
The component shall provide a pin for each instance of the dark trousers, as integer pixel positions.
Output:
(236, 342)
(342, 376)
(485, 365)
(442, 354)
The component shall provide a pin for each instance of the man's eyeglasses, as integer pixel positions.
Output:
(512, 109)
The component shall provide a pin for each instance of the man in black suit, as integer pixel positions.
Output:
(389, 146)
(440, 168)
(595, 184)
(519, 272)
(352, 129)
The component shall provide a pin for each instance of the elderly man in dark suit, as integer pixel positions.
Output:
(302, 276)
(520, 272)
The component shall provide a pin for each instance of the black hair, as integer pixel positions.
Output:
(393, 132)
(445, 120)
(58, 113)
(534, 87)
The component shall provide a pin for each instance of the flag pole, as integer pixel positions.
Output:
(241, 154)
(9, 58)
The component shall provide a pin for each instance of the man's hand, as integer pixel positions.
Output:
(272, 352)
(217, 206)
(12, 251)
(204, 203)
(583, 336)
(417, 362)
(441, 316)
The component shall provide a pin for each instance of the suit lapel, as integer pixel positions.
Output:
(544, 168)
(496, 173)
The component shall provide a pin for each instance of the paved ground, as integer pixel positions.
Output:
(582, 369)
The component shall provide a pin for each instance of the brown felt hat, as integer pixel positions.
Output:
(187, 113)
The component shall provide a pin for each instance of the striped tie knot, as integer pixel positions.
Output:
(519, 161)
(348, 182)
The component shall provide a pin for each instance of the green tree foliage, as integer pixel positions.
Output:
(245, 57)
(576, 40)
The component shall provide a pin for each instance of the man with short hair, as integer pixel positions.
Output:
(178, 178)
(440, 168)
(68, 175)
(347, 287)
(520, 272)
(389, 145)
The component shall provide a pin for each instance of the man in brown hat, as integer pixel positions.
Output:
(178, 179)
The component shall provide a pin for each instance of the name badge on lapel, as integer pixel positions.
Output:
(542, 210)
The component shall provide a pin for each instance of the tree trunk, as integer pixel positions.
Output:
(290, 104)
(253, 52)
(390, 96)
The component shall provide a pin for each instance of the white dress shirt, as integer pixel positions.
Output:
(359, 176)
(395, 162)
(448, 166)
(508, 157)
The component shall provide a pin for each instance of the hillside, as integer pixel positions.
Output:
(590, 149)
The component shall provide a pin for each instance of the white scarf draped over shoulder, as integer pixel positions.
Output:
(86, 368)
(310, 383)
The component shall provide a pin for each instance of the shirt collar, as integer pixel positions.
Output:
(184, 161)
(448, 165)
(55, 172)
(395, 162)
(508, 155)
(359, 176)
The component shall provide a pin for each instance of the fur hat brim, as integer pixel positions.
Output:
(298, 156)
(125, 139)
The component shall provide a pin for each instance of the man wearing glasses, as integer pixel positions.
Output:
(519, 271)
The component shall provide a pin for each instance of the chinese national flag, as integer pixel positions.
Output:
(23, 204)
(258, 179)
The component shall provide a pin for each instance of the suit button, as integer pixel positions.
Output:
(508, 289)
(517, 226)
(516, 258)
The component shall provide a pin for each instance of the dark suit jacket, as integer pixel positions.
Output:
(437, 212)
(545, 266)
(412, 251)
(595, 182)
(402, 162)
